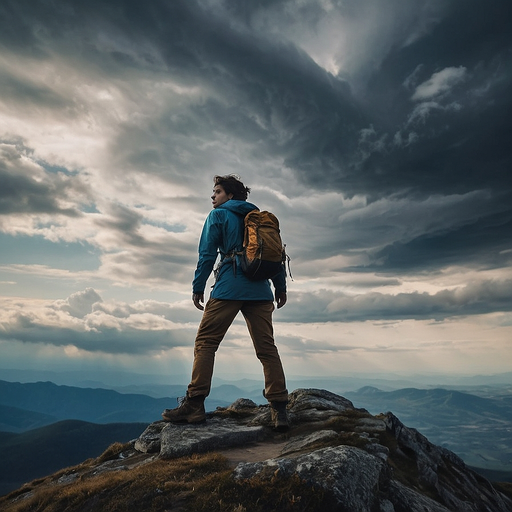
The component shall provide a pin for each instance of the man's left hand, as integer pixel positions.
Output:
(198, 299)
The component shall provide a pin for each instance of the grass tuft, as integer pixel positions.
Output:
(113, 451)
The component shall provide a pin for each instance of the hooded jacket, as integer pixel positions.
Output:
(223, 232)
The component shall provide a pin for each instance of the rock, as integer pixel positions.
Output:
(242, 404)
(378, 450)
(351, 474)
(303, 442)
(218, 433)
(441, 472)
(413, 501)
(149, 440)
(307, 405)
(367, 463)
(360, 462)
(370, 425)
(320, 399)
(68, 479)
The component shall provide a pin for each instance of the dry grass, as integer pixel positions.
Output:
(504, 487)
(113, 451)
(153, 487)
(199, 483)
(259, 494)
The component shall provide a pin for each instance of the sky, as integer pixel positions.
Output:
(378, 132)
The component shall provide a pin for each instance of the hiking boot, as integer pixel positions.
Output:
(279, 416)
(190, 410)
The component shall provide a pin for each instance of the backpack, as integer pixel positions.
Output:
(263, 255)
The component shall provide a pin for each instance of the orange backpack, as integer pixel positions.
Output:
(263, 255)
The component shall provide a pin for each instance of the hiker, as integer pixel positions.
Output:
(223, 232)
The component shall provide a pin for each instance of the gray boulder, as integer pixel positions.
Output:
(365, 463)
(351, 474)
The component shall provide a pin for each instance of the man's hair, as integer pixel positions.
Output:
(232, 185)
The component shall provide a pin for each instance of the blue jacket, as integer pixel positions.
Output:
(223, 232)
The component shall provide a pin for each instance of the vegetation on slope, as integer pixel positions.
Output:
(197, 483)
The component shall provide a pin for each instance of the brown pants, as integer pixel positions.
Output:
(217, 318)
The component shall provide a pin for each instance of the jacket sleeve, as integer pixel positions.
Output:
(208, 247)
(279, 282)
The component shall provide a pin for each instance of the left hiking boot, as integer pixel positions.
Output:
(279, 416)
(190, 410)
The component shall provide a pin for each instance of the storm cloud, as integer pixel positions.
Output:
(378, 132)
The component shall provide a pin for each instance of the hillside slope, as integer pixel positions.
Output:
(14, 419)
(335, 458)
(42, 451)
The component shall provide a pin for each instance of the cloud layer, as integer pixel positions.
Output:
(378, 133)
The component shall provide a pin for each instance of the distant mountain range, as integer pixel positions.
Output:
(32, 405)
(42, 451)
(46, 403)
(476, 428)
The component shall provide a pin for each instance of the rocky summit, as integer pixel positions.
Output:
(335, 457)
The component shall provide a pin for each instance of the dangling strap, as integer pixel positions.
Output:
(230, 256)
(286, 261)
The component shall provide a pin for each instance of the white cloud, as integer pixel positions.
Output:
(80, 304)
(440, 83)
(83, 320)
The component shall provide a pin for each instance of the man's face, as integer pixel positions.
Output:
(219, 196)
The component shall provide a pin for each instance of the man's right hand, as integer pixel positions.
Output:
(281, 299)
(198, 299)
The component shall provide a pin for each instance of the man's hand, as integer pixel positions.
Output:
(280, 299)
(198, 299)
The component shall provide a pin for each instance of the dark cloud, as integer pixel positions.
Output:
(258, 90)
(162, 264)
(433, 118)
(126, 222)
(461, 142)
(384, 141)
(109, 340)
(22, 93)
(484, 245)
(474, 299)
(422, 127)
(132, 255)
(268, 91)
(26, 188)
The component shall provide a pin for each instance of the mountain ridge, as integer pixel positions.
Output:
(88, 404)
(335, 457)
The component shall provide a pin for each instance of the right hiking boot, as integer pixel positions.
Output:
(279, 416)
(190, 410)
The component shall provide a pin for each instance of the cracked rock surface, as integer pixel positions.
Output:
(367, 463)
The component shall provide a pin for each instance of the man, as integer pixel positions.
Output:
(223, 232)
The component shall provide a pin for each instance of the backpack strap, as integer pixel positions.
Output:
(230, 256)
(286, 262)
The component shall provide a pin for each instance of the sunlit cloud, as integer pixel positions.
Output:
(376, 134)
